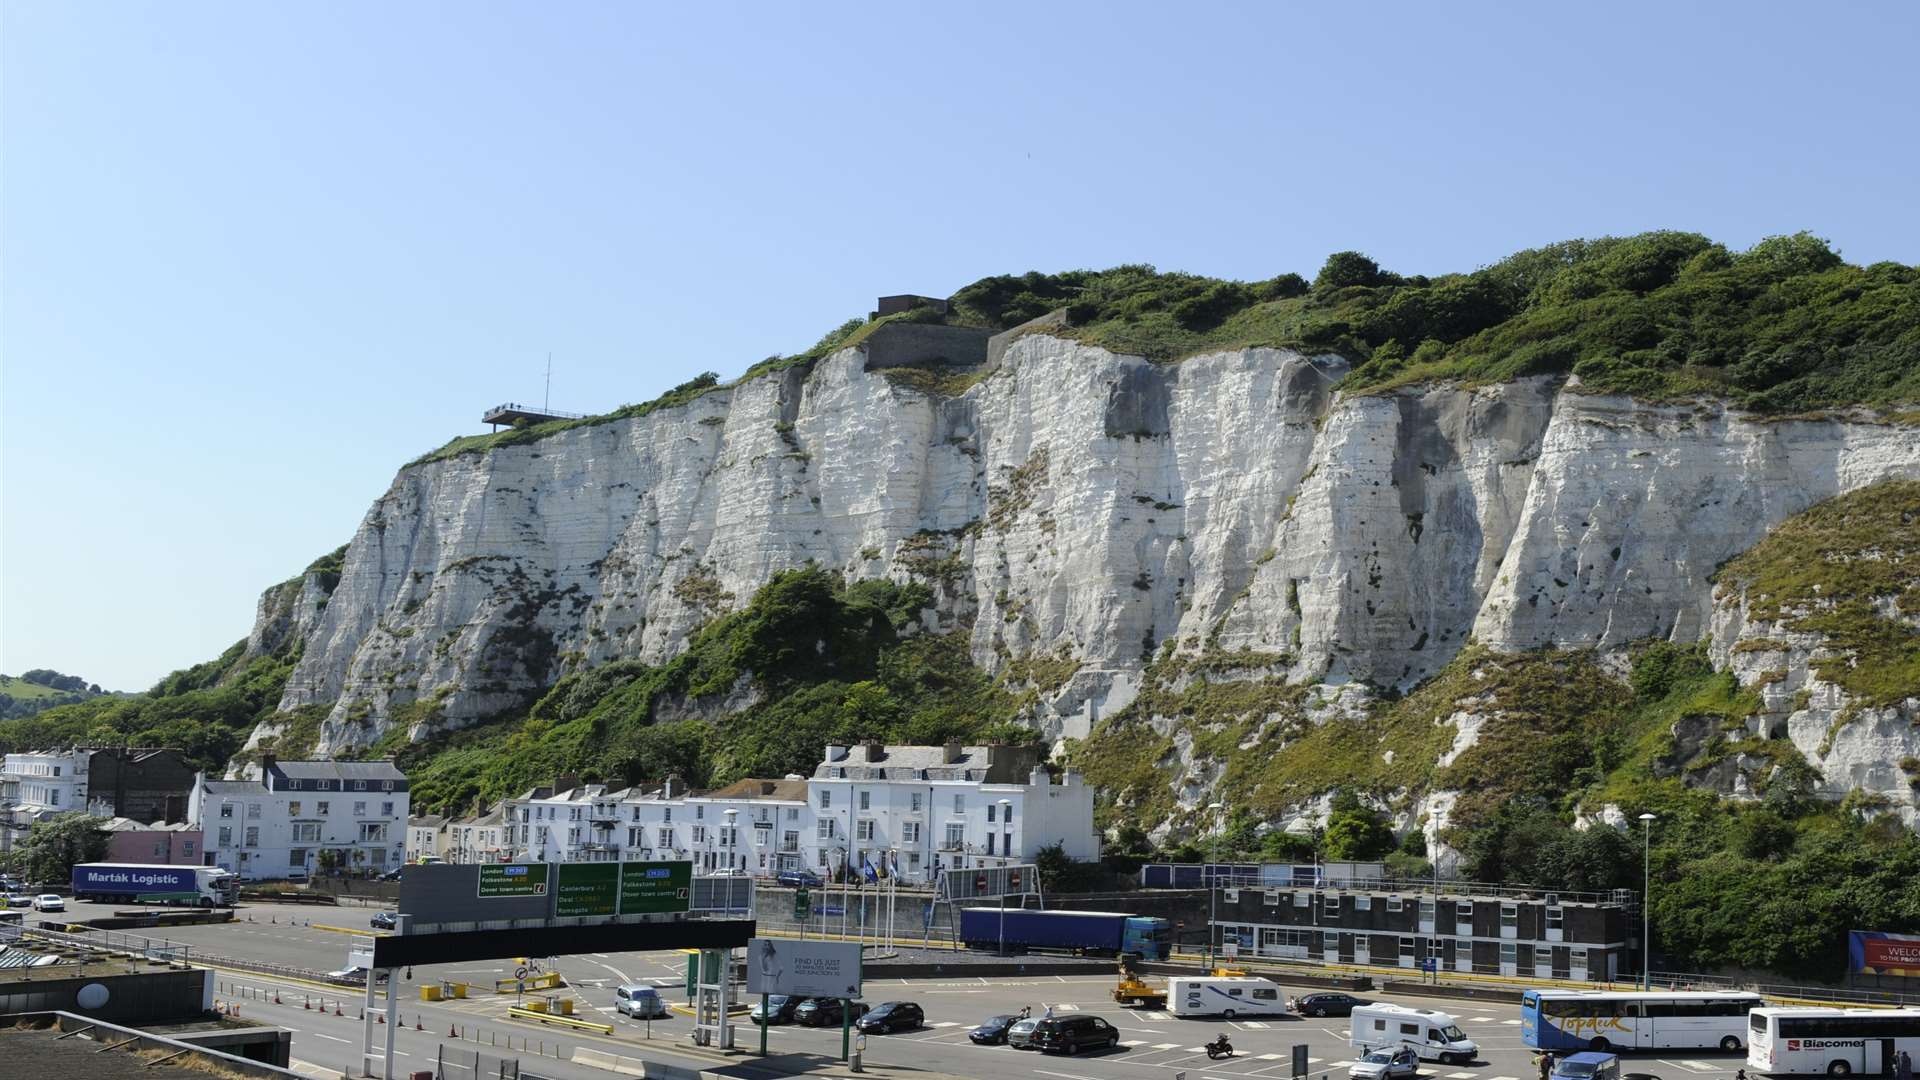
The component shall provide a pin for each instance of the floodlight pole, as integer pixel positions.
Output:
(1646, 902)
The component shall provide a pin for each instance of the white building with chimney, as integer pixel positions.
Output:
(302, 817)
(912, 810)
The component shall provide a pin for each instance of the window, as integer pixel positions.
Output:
(1555, 918)
(1509, 952)
(790, 841)
(1332, 905)
(729, 836)
(956, 836)
(700, 812)
(863, 829)
(990, 837)
(669, 815)
(793, 813)
(226, 836)
(1406, 948)
(226, 810)
(1006, 813)
(990, 810)
(386, 809)
(54, 798)
(1509, 919)
(253, 836)
(826, 798)
(359, 785)
(959, 802)
(293, 808)
(1393, 904)
(699, 834)
(636, 813)
(159, 850)
(666, 839)
(372, 832)
(360, 809)
(910, 832)
(297, 857)
(1260, 994)
(1412, 1030)
(306, 832)
(866, 800)
(1363, 903)
(1302, 899)
(186, 848)
(823, 859)
(913, 803)
(823, 829)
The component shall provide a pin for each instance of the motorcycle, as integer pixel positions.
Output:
(1219, 1048)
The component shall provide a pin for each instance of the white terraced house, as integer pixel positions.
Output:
(917, 809)
(303, 816)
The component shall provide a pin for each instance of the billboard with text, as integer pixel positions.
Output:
(1871, 952)
(804, 968)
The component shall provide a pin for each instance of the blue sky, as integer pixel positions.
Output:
(255, 256)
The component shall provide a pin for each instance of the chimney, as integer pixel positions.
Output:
(766, 787)
(951, 756)
(267, 760)
(836, 752)
(876, 752)
(670, 785)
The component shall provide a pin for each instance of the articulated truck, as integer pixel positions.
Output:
(138, 883)
(1090, 933)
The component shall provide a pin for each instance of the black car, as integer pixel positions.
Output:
(890, 1016)
(824, 1012)
(778, 1009)
(1072, 1034)
(993, 1030)
(383, 920)
(1326, 1004)
(799, 878)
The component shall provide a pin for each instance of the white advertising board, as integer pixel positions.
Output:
(804, 968)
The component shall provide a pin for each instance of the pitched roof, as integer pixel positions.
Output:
(339, 770)
(235, 787)
(779, 790)
(427, 821)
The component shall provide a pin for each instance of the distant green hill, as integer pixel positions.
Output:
(42, 688)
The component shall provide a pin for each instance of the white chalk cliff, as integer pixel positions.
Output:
(1073, 502)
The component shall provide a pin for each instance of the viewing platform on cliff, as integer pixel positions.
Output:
(513, 412)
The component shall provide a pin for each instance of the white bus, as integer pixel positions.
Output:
(1228, 997)
(1631, 1020)
(1837, 1042)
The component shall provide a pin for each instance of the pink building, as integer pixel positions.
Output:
(130, 841)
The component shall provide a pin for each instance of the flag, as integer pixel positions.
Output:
(867, 870)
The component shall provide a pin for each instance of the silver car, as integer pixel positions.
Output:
(1401, 1064)
(1020, 1035)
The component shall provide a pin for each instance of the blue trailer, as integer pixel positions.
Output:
(1090, 933)
(138, 883)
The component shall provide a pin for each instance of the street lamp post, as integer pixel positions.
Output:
(1646, 902)
(731, 839)
(1004, 804)
(1213, 887)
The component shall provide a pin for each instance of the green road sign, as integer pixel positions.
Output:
(512, 879)
(585, 889)
(802, 904)
(651, 888)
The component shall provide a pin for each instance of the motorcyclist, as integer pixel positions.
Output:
(1220, 1047)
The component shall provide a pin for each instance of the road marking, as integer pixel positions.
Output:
(1156, 1016)
(1068, 1076)
(1134, 1042)
(1165, 1046)
(1479, 1019)
(1460, 1076)
(1503, 1078)
(1692, 1065)
(945, 1023)
(1514, 1023)
(1066, 1006)
(324, 1035)
(1196, 1050)
(1270, 1057)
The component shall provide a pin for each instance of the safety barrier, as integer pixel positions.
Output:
(541, 1016)
(546, 980)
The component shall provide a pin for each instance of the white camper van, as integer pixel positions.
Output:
(1432, 1035)
(1228, 997)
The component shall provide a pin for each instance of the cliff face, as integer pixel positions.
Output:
(1074, 505)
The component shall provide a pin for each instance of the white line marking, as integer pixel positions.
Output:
(1068, 1076)
(1134, 1042)
(324, 1035)
(1479, 1019)
(1514, 1023)
(1460, 1076)
(1255, 1024)
(1270, 1057)
(1165, 1046)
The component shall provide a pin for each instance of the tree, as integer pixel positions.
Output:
(1053, 864)
(56, 844)
(1357, 834)
(1346, 268)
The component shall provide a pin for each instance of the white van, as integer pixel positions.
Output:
(1432, 1035)
(1228, 997)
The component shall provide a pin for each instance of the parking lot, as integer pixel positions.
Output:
(1155, 1044)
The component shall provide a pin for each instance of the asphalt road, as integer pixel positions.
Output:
(1156, 1044)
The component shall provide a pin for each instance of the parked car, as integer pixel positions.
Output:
(825, 1012)
(383, 920)
(1328, 1004)
(352, 976)
(993, 1030)
(799, 879)
(778, 1009)
(1587, 1065)
(1020, 1035)
(1072, 1034)
(729, 871)
(891, 1016)
(49, 902)
(640, 1002)
(393, 874)
(1400, 1064)
(19, 900)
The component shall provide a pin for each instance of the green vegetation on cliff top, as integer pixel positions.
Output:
(1785, 326)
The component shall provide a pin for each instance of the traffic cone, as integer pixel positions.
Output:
(276, 997)
(451, 1033)
(416, 1023)
(308, 1004)
(382, 1018)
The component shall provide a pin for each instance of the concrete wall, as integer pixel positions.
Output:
(926, 345)
(145, 997)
